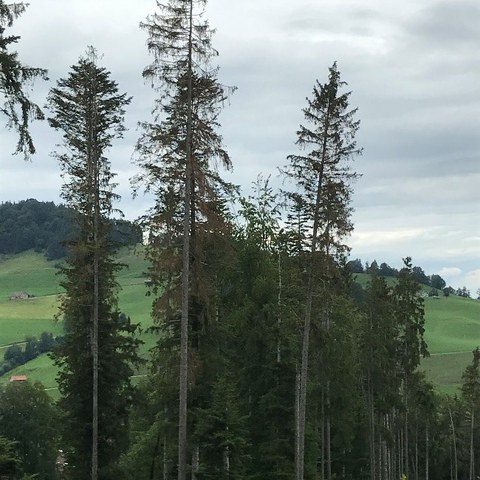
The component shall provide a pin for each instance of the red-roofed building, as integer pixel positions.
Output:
(18, 378)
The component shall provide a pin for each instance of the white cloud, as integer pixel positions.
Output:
(413, 74)
(450, 272)
(472, 280)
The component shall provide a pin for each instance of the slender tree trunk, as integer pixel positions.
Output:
(93, 160)
(300, 463)
(401, 445)
(323, 436)
(279, 305)
(195, 461)
(451, 462)
(371, 414)
(165, 458)
(327, 395)
(302, 403)
(472, 454)
(416, 448)
(427, 452)
(183, 380)
(328, 434)
(226, 462)
(154, 457)
(297, 419)
(95, 353)
(405, 435)
(454, 440)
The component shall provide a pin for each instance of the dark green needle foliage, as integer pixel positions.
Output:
(96, 357)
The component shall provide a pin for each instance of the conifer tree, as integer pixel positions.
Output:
(381, 376)
(14, 79)
(177, 155)
(260, 333)
(96, 357)
(322, 180)
(410, 317)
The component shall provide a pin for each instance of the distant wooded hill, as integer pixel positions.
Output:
(436, 282)
(44, 227)
(385, 270)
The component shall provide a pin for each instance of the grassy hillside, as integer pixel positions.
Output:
(28, 271)
(32, 273)
(452, 331)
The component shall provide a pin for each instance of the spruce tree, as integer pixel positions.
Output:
(178, 152)
(322, 179)
(381, 377)
(96, 357)
(410, 317)
(14, 80)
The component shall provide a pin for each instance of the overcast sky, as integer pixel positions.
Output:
(414, 71)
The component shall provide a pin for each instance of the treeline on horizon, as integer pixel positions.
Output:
(46, 227)
(265, 365)
(436, 282)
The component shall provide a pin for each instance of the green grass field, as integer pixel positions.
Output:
(32, 273)
(452, 324)
(452, 332)
(28, 272)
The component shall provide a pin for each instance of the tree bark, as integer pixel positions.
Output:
(279, 305)
(154, 457)
(297, 419)
(299, 467)
(183, 380)
(328, 434)
(195, 461)
(93, 160)
(427, 448)
(454, 440)
(472, 451)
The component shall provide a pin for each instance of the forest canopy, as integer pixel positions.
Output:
(44, 227)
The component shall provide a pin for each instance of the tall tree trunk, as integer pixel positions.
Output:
(427, 449)
(405, 434)
(279, 305)
(165, 458)
(472, 452)
(154, 458)
(195, 461)
(92, 152)
(416, 448)
(328, 434)
(371, 439)
(300, 463)
(95, 372)
(454, 440)
(323, 436)
(302, 401)
(95, 353)
(297, 419)
(226, 462)
(183, 380)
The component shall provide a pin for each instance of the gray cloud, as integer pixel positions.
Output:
(413, 72)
